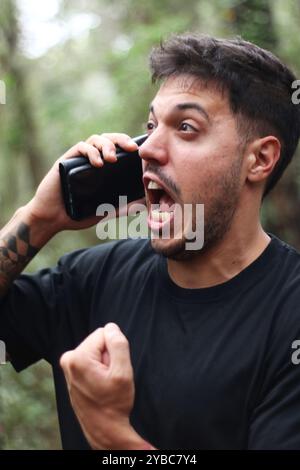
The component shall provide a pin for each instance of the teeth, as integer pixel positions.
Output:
(160, 216)
(154, 185)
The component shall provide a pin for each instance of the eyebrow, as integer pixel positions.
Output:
(188, 105)
(196, 106)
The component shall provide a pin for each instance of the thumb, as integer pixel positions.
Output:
(93, 345)
(118, 349)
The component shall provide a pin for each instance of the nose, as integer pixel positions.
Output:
(155, 148)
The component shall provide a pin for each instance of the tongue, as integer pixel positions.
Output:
(165, 203)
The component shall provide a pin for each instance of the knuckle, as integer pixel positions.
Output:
(120, 379)
(120, 341)
(65, 360)
(92, 138)
(69, 361)
(93, 151)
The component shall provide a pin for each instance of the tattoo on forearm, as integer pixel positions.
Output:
(15, 253)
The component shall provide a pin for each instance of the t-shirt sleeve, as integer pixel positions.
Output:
(37, 309)
(275, 422)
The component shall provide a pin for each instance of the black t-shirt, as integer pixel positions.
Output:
(213, 367)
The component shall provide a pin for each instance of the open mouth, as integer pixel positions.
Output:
(161, 202)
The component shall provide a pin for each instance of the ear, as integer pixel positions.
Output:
(261, 157)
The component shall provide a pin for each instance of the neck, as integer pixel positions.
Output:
(224, 260)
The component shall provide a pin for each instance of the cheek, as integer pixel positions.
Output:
(192, 182)
(201, 178)
(201, 169)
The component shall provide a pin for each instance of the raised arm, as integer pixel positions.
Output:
(33, 225)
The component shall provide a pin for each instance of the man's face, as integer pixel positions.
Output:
(193, 153)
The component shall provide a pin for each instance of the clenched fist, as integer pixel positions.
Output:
(99, 376)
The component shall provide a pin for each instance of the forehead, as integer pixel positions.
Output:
(186, 88)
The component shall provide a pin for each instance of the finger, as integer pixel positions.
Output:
(106, 358)
(106, 143)
(122, 140)
(118, 350)
(65, 361)
(105, 146)
(86, 150)
(93, 346)
(85, 367)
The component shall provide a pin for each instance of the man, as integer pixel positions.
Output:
(207, 362)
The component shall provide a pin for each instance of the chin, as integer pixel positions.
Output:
(172, 249)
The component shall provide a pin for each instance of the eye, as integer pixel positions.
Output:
(184, 126)
(150, 126)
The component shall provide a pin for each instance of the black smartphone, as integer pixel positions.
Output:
(85, 187)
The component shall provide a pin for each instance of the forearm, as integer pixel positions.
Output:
(20, 241)
(136, 442)
(116, 437)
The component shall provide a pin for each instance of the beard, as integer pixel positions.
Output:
(219, 211)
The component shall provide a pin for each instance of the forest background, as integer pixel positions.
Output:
(73, 68)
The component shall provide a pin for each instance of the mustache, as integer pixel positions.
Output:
(169, 183)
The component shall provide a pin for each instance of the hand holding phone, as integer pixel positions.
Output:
(85, 187)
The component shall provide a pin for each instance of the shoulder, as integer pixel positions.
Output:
(112, 254)
(286, 290)
(288, 268)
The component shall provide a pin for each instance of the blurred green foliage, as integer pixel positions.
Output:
(99, 82)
